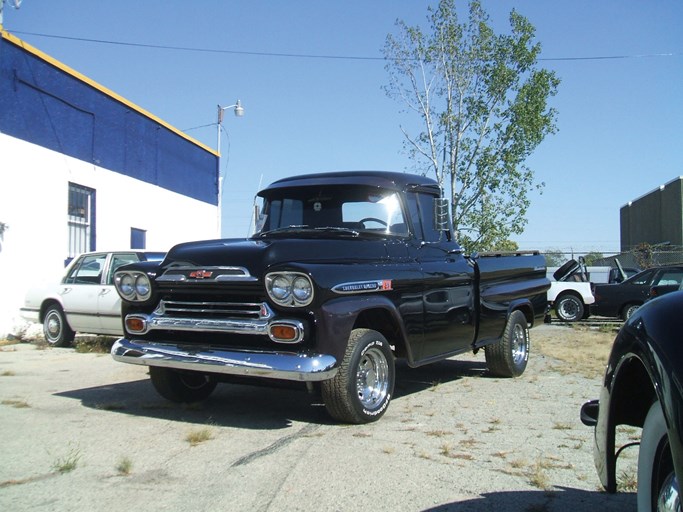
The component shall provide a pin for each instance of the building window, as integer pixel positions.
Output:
(81, 219)
(138, 238)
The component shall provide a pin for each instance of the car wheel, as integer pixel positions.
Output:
(569, 308)
(657, 482)
(361, 390)
(181, 387)
(509, 357)
(628, 311)
(56, 329)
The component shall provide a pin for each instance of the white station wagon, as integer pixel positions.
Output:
(86, 300)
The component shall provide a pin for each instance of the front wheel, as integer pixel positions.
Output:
(361, 390)
(181, 387)
(657, 481)
(56, 329)
(569, 308)
(509, 357)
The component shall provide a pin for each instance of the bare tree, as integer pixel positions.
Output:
(482, 105)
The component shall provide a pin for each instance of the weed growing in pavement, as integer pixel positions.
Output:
(94, 345)
(124, 466)
(196, 437)
(67, 462)
(388, 450)
(439, 433)
(17, 404)
(538, 477)
(627, 481)
(561, 426)
(7, 373)
(114, 406)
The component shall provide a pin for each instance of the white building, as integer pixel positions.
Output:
(83, 169)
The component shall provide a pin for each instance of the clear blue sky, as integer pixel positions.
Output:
(619, 119)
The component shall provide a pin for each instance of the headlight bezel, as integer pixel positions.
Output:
(280, 287)
(133, 285)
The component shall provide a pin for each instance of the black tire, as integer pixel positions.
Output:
(569, 308)
(628, 310)
(56, 329)
(656, 478)
(362, 389)
(509, 357)
(181, 387)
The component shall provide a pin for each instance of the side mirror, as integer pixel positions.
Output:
(441, 214)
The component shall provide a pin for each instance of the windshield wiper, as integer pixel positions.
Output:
(284, 229)
(337, 229)
(305, 228)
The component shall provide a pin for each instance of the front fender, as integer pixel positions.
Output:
(338, 317)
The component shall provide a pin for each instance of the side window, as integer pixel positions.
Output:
(644, 278)
(414, 212)
(118, 260)
(426, 203)
(669, 277)
(138, 238)
(81, 219)
(88, 270)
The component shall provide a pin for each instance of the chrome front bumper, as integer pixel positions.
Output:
(272, 365)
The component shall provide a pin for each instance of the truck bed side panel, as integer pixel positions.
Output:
(508, 282)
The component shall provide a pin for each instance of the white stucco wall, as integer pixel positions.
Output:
(33, 203)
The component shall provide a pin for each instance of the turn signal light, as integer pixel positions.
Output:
(283, 332)
(135, 324)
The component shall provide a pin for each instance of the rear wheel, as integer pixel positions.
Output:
(657, 482)
(569, 308)
(509, 357)
(181, 387)
(361, 390)
(628, 310)
(56, 329)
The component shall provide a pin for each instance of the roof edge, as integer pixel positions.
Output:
(54, 62)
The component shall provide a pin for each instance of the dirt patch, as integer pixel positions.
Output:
(82, 430)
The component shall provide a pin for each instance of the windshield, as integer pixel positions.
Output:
(332, 209)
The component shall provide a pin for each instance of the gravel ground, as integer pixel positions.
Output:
(82, 432)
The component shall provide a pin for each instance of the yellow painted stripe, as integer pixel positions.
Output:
(24, 45)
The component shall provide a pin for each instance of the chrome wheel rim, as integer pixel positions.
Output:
(372, 378)
(668, 499)
(569, 310)
(519, 344)
(53, 326)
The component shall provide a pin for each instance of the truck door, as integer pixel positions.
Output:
(448, 284)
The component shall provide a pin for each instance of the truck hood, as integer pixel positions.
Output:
(259, 255)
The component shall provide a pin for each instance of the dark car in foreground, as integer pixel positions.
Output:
(622, 299)
(642, 388)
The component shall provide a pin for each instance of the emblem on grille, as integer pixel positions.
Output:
(200, 274)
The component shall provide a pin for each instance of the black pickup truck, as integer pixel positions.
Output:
(346, 272)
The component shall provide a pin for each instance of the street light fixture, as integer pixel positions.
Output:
(239, 112)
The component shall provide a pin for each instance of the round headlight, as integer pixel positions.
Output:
(142, 286)
(290, 289)
(127, 285)
(302, 289)
(281, 287)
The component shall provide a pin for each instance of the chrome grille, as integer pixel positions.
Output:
(191, 309)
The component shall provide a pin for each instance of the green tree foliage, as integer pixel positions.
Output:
(592, 257)
(555, 258)
(482, 105)
(504, 246)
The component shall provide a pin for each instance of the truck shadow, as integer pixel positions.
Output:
(558, 499)
(260, 406)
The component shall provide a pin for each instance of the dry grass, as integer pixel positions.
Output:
(584, 350)
(196, 437)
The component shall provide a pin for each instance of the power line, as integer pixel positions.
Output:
(311, 56)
